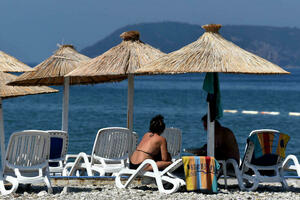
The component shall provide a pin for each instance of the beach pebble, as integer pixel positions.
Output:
(42, 193)
(150, 192)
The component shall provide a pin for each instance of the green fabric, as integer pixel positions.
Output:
(208, 86)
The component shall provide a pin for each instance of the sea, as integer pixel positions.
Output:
(179, 98)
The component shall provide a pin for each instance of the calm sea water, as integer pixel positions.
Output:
(179, 98)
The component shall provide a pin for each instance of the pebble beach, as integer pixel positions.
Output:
(138, 191)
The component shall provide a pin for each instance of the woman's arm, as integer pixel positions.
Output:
(165, 155)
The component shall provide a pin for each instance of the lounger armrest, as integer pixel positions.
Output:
(106, 161)
(73, 157)
(159, 176)
(291, 167)
(237, 171)
(172, 167)
(81, 157)
(258, 167)
(12, 180)
(56, 160)
(30, 168)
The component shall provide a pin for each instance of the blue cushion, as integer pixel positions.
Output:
(56, 145)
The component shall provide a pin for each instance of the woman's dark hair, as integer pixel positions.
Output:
(204, 118)
(157, 124)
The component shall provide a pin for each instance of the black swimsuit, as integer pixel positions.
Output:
(135, 166)
(150, 154)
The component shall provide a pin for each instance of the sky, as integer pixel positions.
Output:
(31, 29)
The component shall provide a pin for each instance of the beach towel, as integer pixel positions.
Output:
(200, 173)
(269, 143)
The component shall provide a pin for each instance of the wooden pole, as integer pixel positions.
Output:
(210, 135)
(2, 135)
(65, 111)
(130, 97)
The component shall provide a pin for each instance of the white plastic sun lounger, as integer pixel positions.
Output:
(58, 150)
(10, 179)
(160, 177)
(109, 154)
(250, 174)
(287, 166)
(174, 142)
(27, 158)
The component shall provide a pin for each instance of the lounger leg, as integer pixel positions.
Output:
(156, 174)
(159, 180)
(14, 187)
(48, 183)
(224, 168)
(284, 184)
(65, 172)
(237, 172)
(250, 183)
(225, 176)
(132, 177)
(174, 182)
(295, 161)
(81, 156)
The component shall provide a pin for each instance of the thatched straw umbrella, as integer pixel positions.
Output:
(119, 63)
(211, 53)
(11, 64)
(15, 91)
(52, 71)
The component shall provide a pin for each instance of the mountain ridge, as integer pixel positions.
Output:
(280, 45)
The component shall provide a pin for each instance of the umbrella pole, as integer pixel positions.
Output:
(2, 135)
(130, 96)
(65, 110)
(210, 135)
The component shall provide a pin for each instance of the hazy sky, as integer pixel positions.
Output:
(31, 29)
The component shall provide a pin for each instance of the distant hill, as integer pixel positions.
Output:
(279, 45)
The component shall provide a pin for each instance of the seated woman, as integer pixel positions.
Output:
(152, 146)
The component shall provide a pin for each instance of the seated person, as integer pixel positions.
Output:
(152, 146)
(226, 146)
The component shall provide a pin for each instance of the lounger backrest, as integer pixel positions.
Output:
(134, 137)
(174, 141)
(112, 143)
(265, 147)
(58, 144)
(27, 149)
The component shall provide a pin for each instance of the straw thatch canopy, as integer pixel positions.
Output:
(211, 53)
(7, 91)
(119, 61)
(53, 70)
(11, 64)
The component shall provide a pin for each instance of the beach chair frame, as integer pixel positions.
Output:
(109, 154)
(63, 135)
(287, 166)
(251, 182)
(160, 177)
(27, 158)
(174, 142)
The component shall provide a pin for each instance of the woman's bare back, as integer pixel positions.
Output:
(148, 148)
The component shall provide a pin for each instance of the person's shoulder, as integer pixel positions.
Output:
(160, 138)
(227, 131)
(156, 136)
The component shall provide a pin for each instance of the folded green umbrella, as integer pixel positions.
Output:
(212, 87)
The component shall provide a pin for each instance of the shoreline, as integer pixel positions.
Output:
(107, 190)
